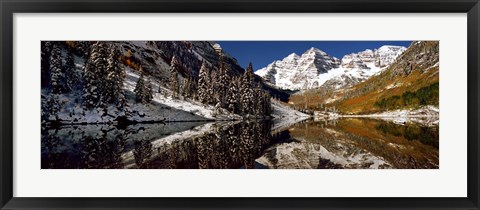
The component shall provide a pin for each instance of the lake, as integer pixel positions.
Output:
(344, 143)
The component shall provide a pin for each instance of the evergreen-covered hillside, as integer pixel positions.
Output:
(128, 82)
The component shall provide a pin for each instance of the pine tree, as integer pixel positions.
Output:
(173, 79)
(56, 69)
(232, 97)
(222, 83)
(53, 107)
(115, 76)
(148, 91)
(190, 88)
(70, 76)
(247, 93)
(140, 89)
(213, 86)
(46, 48)
(203, 84)
(183, 88)
(90, 89)
(100, 61)
(83, 48)
(95, 74)
(257, 101)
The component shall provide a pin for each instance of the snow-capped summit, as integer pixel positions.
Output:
(292, 71)
(387, 54)
(315, 67)
(379, 58)
(292, 56)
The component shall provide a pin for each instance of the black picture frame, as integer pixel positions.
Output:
(9, 7)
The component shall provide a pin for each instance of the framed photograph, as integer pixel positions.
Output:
(239, 105)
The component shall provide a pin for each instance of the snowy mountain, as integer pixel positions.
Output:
(87, 82)
(413, 80)
(315, 67)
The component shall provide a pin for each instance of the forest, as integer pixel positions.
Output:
(428, 95)
(99, 85)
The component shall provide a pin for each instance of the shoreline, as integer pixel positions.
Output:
(389, 116)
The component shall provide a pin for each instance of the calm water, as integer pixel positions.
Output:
(344, 143)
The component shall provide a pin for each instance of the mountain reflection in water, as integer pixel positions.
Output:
(344, 143)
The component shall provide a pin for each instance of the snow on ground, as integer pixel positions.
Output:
(394, 85)
(284, 116)
(72, 112)
(428, 115)
(194, 107)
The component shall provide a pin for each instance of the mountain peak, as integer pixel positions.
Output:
(314, 50)
(314, 67)
(380, 58)
(292, 56)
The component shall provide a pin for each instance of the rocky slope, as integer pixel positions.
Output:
(411, 81)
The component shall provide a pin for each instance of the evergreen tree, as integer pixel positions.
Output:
(222, 83)
(183, 88)
(90, 89)
(232, 97)
(53, 107)
(46, 48)
(148, 91)
(247, 96)
(115, 77)
(173, 79)
(70, 76)
(56, 69)
(140, 89)
(82, 48)
(203, 84)
(190, 88)
(95, 74)
(257, 101)
(100, 61)
(212, 90)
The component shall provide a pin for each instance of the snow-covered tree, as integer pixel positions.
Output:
(95, 74)
(46, 48)
(253, 100)
(247, 92)
(70, 76)
(173, 79)
(203, 88)
(53, 107)
(56, 69)
(90, 95)
(114, 92)
(222, 83)
(232, 96)
(141, 90)
(257, 100)
(212, 90)
(100, 61)
(190, 88)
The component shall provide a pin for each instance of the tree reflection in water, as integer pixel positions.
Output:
(234, 146)
(345, 143)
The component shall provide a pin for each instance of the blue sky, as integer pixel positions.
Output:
(262, 53)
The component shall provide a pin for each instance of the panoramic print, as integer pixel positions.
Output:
(240, 104)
